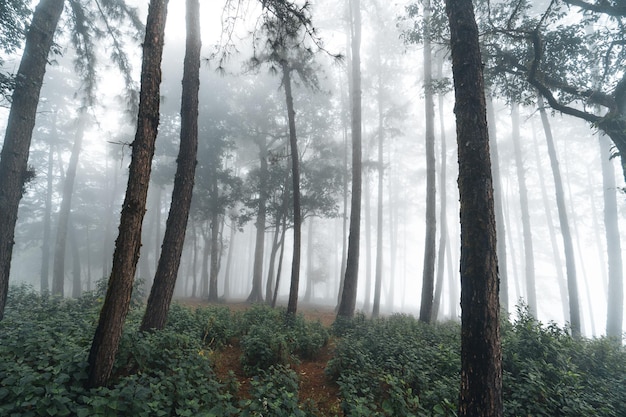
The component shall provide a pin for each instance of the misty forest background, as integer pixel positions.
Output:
(80, 153)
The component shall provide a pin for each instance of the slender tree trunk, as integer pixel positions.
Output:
(428, 274)
(292, 305)
(228, 275)
(77, 285)
(498, 206)
(348, 296)
(117, 301)
(443, 216)
(14, 157)
(256, 295)
(344, 219)
(570, 261)
(558, 264)
(367, 202)
(615, 302)
(308, 294)
(47, 226)
(280, 261)
(379, 211)
(215, 256)
(269, 283)
(529, 257)
(481, 354)
(58, 270)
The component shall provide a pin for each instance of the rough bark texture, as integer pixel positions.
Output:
(481, 355)
(349, 292)
(292, 305)
(428, 273)
(615, 304)
(19, 132)
(117, 301)
(58, 270)
(568, 247)
(169, 261)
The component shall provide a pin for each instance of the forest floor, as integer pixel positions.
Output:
(314, 384)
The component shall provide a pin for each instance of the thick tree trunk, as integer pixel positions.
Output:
(568, 248)
(481, 354)
(117, 301)
(58, 270)
(176, 225)
(351, 278)
(498, 206)
(428, 273)
(292, 305)
(615, 302)
(529, 258)
(21, 122)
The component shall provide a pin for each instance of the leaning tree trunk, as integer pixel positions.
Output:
(20, 124)
(428, 273)
(481, 353)
(568, 247)
(58, 270)
(292, 305)
(348, 295)
(117, 301)
(615, 303)
(176, 226)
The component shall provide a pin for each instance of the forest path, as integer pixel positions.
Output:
(314, 384)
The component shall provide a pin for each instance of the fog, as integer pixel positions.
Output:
(238, 104)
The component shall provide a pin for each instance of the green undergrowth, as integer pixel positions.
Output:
(393, 366)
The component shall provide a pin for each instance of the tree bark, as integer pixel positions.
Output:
(58, 270)
(351, 278)
(481, 354)
(428, 273)
(176, 225)
(19, 132)
(117, 301)
(568, 248)
(256, 295)
(292, 305)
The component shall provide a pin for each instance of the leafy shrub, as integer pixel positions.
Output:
(263, 347)
(213, 326)
(273, 393)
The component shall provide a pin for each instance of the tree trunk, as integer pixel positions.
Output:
(481, 354)
(19, 132)
(615, 303)
(256, 295)
(117, 301)
(367, 202)
(570, 261)
(280, 259)
(308, 294)
(215, 256)
(558, 264)
(58, 270)
(176, 226)
(77, 285)
(498, 206)
(351, 278)
(47, 226)
(379, 211)
(428, 273)
(443, 216)
(529, 258)
(292, 305)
